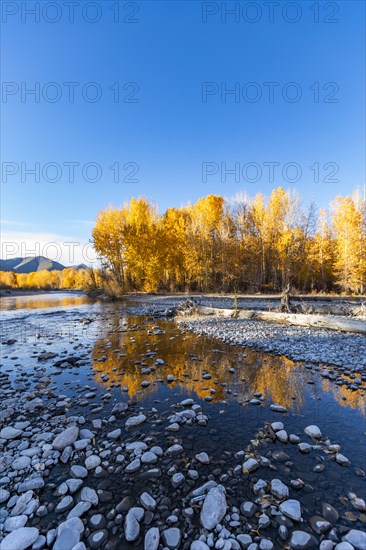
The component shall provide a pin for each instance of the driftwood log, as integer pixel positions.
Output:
(316, 321)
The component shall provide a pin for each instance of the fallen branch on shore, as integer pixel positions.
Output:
(303, 320)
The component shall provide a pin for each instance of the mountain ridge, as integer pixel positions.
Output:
(31, 264)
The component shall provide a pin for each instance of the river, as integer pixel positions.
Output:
(153, 366)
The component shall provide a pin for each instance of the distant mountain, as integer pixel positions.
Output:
(32, 264)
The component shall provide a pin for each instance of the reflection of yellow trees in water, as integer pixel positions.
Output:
(279, 377)
(345, 396)
(270, 375)
(41, 302)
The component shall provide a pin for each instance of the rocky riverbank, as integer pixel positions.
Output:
(346, 351)
(251, 499)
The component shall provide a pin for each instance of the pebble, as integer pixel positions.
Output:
(174, 450)
(92, 461)
(152, 539)
(65, 438)
(21, 463)
(250, 465)
(89, 495)
(278, 408)
(342, 460)
(279, 489)
(15, 522)
(203, 458)
(20, 539)
(147, 501)
(177, 479)
(10, 433)
(97, 539)
(356, 538)
(282, 436)
(78, 471)
(135, 421)
(313, 431)
(132, 527)
(133, 466)
(79, 510)
(277, 426)
(115, 434)
(292, 509)
(149, 458)
(172, 537)
(300, 540)
(199, 545)
(64, 504)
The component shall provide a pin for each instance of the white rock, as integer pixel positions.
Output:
(135, 420)
(92, 462)
(21, 463)
(20, 539)
(152, 539)
(89, 495)
(147, 501)
(132, 527)
(313, 431)
(277, 426)
(136, 445)
(174, 450)
(279, 489)
(65, 438)
(149, 458)
(10, 433)
(282, 436)
(203, 458)
(250, 465)
(342, 460)
(199, 545)
(214, 507)
(301, 540)
(133, 466)
(292, 509)
(356, 538)
(172, 537)
(15, 522)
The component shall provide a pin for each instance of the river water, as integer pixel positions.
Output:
(114, 347)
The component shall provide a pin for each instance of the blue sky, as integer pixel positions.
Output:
(172, 131)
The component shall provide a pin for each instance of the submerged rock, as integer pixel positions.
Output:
(135, 420)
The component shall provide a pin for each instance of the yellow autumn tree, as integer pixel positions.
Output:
(350, 243)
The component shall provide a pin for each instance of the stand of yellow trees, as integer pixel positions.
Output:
(248, 245)
(78, 279)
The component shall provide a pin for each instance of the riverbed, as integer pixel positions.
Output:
(202, 411)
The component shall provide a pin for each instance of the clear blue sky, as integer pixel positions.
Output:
(174, 127)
